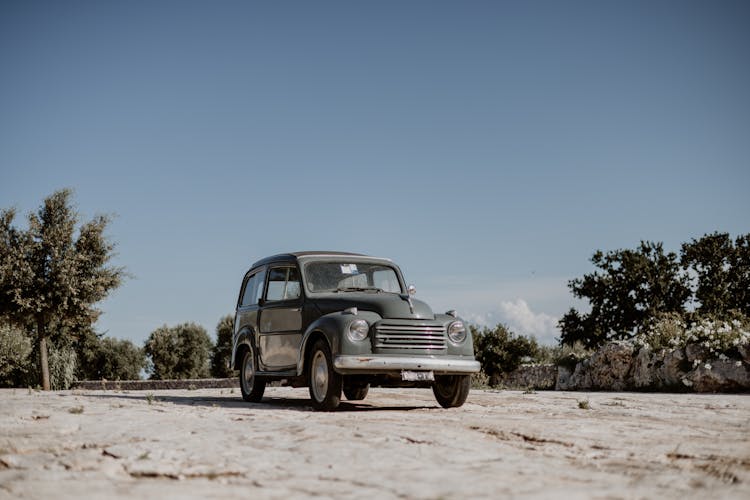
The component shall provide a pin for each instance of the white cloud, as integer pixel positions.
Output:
(490, 303)
(519, 317)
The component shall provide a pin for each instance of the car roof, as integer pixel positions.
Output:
(293, 256)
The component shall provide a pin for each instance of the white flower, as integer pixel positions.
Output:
(738, 363)
(707, 366)
(687, 382)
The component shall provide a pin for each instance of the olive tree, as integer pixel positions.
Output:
(628, 289)
(721, 272)
(116, 359)
(54, 272)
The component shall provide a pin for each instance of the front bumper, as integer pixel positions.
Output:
(378, 364)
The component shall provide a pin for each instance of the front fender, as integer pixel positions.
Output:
(333, 327)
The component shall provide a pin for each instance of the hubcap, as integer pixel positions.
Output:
(319, 380)
(248, 372)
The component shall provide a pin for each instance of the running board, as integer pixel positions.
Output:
(286, 374)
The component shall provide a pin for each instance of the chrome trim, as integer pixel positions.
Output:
(369, 364)
(395, 336)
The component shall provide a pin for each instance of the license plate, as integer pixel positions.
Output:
(417, 376)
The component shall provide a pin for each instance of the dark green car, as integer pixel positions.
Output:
(334, 322)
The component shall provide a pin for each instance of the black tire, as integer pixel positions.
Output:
(451, 391)
(356, 392)
(325, 383)
(252, 387)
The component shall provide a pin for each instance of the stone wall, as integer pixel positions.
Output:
(620, 366)
(155, 385)
(542, 377)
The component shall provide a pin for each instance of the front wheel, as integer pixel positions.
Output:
(325, 383)
(251, 386)
(451, 391)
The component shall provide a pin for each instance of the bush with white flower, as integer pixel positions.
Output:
(722, 337)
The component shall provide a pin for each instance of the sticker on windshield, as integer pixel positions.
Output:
(348, 268)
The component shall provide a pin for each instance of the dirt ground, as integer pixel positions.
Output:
(398, 443)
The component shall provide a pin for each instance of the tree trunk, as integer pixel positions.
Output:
(42, 333)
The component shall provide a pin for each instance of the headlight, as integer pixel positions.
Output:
(457, 332)
(358, 329)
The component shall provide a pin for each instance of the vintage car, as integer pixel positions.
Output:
(336, 321)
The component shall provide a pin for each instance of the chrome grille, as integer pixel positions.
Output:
(409, 337)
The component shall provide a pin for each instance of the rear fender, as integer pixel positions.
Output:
(245, 337)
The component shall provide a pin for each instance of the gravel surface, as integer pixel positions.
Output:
(398, 443)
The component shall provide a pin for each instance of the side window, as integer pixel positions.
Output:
(258, 290)
(283, 284)
(253, 289)
(247, 294)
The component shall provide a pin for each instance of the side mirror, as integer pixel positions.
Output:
(411, 289)
(261, 301)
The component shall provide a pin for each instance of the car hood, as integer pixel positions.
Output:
(387, 305)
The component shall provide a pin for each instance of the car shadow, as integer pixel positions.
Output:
(236, 401)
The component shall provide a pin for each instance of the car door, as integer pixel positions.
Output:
(280, 319)
(246, 317)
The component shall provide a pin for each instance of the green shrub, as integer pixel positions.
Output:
(15, 356)
(62, 366)
(20, 365)
(569, 356)
(500, 351)
(179, 352)
(222, 351)
(62, 361)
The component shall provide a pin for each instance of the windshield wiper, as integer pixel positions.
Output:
(359, 289)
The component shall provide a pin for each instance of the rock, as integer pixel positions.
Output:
(744, 351)
(644, 372)
(610, 366)
(720, 376)
(563, 379)
(580, 379)
(672, 369)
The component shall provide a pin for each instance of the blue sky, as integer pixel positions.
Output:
(487, 147)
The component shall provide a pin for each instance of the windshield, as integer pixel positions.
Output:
(342, 276)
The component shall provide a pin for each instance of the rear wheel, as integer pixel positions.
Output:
(251, 386)
(325, 383)
(451, 391)
(356, 392)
